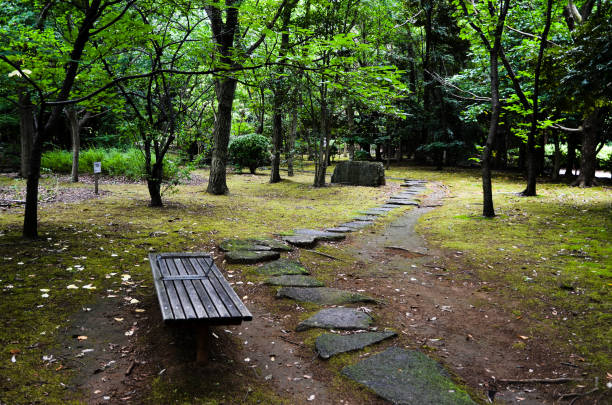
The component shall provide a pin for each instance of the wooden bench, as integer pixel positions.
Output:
(192, 291)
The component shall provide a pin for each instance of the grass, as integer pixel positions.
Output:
(548, 255)
(114, 235)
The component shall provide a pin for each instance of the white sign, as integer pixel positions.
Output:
(97, 167)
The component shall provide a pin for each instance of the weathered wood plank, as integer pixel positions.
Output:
(244, 312)
(199, 286)
(189, 287)
(175, 302)
(181, 291)
(162, 293)
(222, 293)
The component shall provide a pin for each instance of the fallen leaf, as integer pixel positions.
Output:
(139, 310)
(118, 319)
(524, 337)
(82, 337)
(134, 301)
(15, 351)
(72, 287)
(311, 398)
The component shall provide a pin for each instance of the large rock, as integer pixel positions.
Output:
(250, 256)
(337, 318)
(323, 295)
(303, 241)
(320, 235)
(330, 344)
(407, 377)
(358, 173)
(294, 280)
(282, 267)
(355, 225)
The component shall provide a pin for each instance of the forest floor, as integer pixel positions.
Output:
(523, 295)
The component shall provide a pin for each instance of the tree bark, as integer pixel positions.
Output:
(225, 89)
(291, 141)
(154, 184)
(588, 159)
(26, 132)
(571, 155)
(557, 157)
(75, 125)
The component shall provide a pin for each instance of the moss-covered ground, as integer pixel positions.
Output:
(549, 255)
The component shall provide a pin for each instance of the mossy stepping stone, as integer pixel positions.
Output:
(330, 344)
(403, 202)
(369, 218)
(407, 377)
(282, 267)
(323, 295)
(254, 244)
(295, 280)
(393, 206)
(250, 256)
(356, 224)
(340, 229)
(303, 241)
(337, 318)
(320, 235)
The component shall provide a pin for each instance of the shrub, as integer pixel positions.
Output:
(361, 155)
(58, 161)
(249, 151)
(87, 157)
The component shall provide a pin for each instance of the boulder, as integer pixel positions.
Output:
(357, 173)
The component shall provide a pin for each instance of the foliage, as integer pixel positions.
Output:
(249, 151)
(362, 155)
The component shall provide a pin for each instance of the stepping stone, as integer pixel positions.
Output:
(365, 218)
(250, 256)
(403, 202)
(355, 225)
(323, 295)
(303, 241)
(337, 318)
(282, 267)
(320, 235)
(330, 344)
(339, 229)
(375, 211)
(254, 244)
(389, 206)
(294, 281)
(407, 377)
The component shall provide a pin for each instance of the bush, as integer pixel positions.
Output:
(361, 155)
(58, 161)
(249, 151)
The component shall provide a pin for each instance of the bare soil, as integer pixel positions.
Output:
(453, 317)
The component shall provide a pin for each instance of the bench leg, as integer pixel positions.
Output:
(203, 338)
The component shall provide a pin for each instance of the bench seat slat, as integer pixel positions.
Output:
(190, 287)
(231, 294)
(162, 293)
(175, 303)
(196, 302)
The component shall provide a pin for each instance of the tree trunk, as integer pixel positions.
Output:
(75, 129)
(323, 147)
(291, 141)
(557, 157)
(588, 152)
(350, 119)
(277, 138)
(154, 184)
(571, 155)
(225, 89)
(30, 220)
(26, 132)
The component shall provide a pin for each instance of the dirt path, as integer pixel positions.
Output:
(447, 316)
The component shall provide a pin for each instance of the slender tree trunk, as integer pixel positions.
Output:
(557, 157)
(225, 89)
(571, 155)
(30, 220)
(154, 184)
(75, 129)
(323, 147)
(277, 138)
(350, 118)
(26, 132)
(291, 141)
(532, 166)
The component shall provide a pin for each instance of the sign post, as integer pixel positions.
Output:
(97, 166)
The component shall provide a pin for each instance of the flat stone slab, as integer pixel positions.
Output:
(304, 241)
(354, 225)
(330, 344)
(323, 295)
(254, 244)
(282, 267)
(320, 235)
(393, 206)
(377, 209)
(337, 318)
(339, 229)
(403, 202)
(365, 218)
(407, 377)
(295, 281)
(250, 256)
